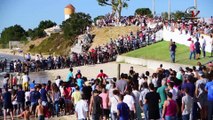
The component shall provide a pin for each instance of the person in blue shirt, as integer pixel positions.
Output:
(80, 83)
(123, 109)
(43, 93)
(32, 84)
(34, 96)
(70, 75)
(20, 99)
(209, 89)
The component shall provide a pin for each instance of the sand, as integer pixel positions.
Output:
(91, 71)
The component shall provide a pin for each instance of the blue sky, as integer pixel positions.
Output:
(28, 13)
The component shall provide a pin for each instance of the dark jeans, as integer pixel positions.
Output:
(172, 55)
(145, 110)
(96, 116)
(186, 117)
(210, 110)
(204, 52)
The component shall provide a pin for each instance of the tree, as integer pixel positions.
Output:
(179, 15)
(38, 32)
(76, 24)
(46, 24)
(143, 11)
(117, 5)
(13, 33)
(175, 15)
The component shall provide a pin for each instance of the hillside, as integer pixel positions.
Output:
(36, 42)
(55, 44)
(160, 51)
(103, 35)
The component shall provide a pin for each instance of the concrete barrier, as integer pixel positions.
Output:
(151, 64)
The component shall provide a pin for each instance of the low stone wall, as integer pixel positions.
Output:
(151, 64)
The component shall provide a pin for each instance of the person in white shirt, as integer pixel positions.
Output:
(203, 46)
(25, 81)
(81, 109)
(172, 90)
(129, 100)
(142, 102)
(113, 102)
(58, 80)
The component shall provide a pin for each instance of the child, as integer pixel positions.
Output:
(40, 110)
(25, 114)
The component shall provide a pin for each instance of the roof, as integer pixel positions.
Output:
(70, 6)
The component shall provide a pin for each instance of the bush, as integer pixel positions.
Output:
(31, 46)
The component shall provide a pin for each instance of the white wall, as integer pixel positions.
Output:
(183, 38)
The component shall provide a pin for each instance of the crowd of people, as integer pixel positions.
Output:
(101, 54)
(192, 27)
(166, 94)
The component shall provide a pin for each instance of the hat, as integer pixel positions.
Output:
(200, 73)
(79, 71)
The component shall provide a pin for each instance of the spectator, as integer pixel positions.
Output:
(187, 102)
(122, 109)
(162, 92)
(170, 108)
(7, 103)
(122, 84)
(113, 102)
(209, 89)
(172, 51)
(96, 106)
(142, 100)
(192, 50)
(81, 109)
(152, 99)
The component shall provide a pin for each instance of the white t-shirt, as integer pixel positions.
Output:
(174, 93)
(188, 101)
(143, 95)
(199, 82)
(27, 96)
(129, 100)
(57, 82)
(82, 109)
(25, 78)
(136, 95)
(154, 81)
(114, 102)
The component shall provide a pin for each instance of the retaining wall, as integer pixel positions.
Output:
(151, 64)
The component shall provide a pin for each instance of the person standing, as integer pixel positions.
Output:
(152, 99)
(7, 103)
(113, 102)
(96, 105)
(20, 100)
(162, 92)
(172, 51)
(187, 103)
(81, 109)
(192, 50)
(170, 108)
(122, 109)
(70, 75)
(122, 84)
(211, 45)
(209, 89)
(197, 49)
(203, 46)
(105, 100)
(142, 102)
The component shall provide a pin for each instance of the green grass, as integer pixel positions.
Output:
(160, 51)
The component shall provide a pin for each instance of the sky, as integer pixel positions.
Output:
(28, 13)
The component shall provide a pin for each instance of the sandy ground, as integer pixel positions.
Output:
(91, 71)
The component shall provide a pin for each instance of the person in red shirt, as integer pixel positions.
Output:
(102, 75)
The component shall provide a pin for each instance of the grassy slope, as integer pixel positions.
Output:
(103, 35)
(160, 51)
(55, 44)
